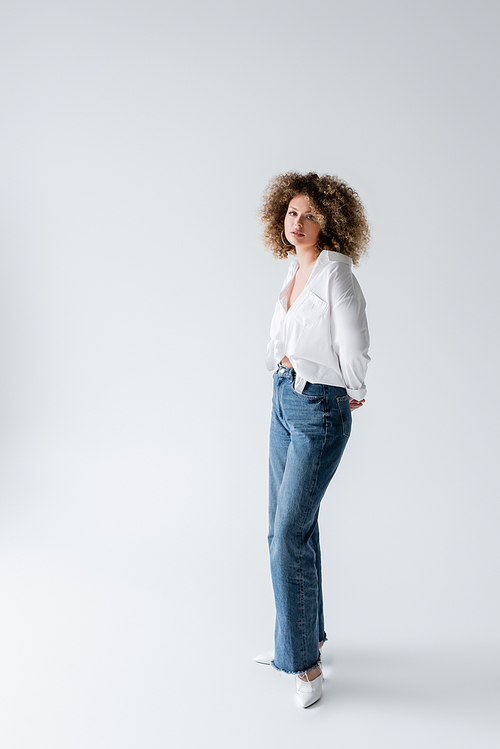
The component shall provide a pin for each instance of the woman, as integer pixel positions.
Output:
(319, 351)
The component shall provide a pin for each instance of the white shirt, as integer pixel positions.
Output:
(325, 332)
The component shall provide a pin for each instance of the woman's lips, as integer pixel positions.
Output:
(297, 233)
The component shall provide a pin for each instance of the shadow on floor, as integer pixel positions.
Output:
(455, 682)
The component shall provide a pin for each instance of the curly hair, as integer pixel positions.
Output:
(336, 206)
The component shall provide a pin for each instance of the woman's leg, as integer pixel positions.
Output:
(318, 423)
(317, 552)
(279, 441)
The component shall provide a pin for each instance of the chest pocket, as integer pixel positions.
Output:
(311, 310)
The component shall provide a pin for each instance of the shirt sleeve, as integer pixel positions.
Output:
(351, 339)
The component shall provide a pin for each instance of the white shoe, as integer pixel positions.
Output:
(265, 658)
(308, 692)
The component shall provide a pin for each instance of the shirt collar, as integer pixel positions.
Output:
(326, 256)
(332, 256)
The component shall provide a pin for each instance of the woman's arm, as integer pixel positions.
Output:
(351, 341)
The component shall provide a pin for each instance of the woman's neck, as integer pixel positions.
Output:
(306, 257)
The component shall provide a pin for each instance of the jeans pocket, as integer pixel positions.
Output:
(345, 414)
(313, 391)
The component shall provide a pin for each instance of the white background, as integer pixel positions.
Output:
(135, 300)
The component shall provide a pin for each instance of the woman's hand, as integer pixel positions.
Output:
(355, 404)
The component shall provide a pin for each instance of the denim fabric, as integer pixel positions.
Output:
(309, 432)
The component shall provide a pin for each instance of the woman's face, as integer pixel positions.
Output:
(301, 226)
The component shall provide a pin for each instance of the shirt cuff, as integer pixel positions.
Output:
(358, 395)
(270, 360)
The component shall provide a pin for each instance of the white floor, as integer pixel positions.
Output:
(384, 698)
(112, 646)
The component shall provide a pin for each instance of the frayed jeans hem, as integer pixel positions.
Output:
(296, 673)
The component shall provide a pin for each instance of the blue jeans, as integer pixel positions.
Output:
(309, 432)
